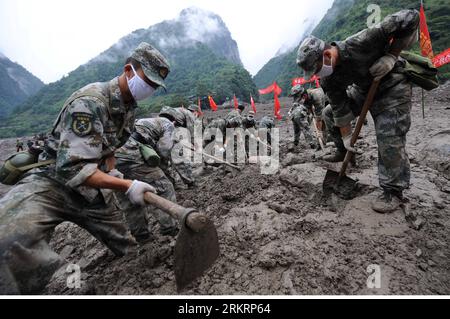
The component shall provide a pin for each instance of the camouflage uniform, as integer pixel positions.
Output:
(213, 127)
(157, 134)
(392, 104)
(316, 102)
(233, 119)
(266, 122)
(185, 120)
(88, 130)
(299, 116)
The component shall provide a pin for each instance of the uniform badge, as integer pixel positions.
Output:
(82, 123)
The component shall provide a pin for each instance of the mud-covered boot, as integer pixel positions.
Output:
(387, 202)
(338, 156)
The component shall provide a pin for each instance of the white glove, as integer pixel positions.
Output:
(137, 190)
(383, 66)
(115, 173)
(347, 139)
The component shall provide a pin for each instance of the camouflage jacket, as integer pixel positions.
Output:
(220, 124)
(299, 112)
(317, 99)
(158, 134)
(86, 132)
(357, 54)
(233, 119)
(266, 122)
(189, 119)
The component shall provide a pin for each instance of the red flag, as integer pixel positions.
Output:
(267, 90)
(277, 107)
(199, 108)
(212, 104)
(276, 89)
(235, 101)
(442, 58)
(425, 40)
(252, 103)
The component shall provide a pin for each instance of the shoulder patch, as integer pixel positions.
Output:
(82, 123)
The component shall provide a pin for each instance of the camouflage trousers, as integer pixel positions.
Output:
(29, 214)
(302, 125)
(391, 127)
(138, 217)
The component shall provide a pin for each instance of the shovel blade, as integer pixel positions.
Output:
(344, 187)
(194, 253)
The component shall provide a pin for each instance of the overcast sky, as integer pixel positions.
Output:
(53, 37)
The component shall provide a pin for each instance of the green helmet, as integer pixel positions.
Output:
(297, 90)
(309, 55)
(173, 115)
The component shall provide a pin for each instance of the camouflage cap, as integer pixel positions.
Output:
(309, 55)
(241, 106)
(154, 64)
(297, 89)
(173, 115)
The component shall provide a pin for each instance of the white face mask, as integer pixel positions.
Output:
(326, 70)
(139, 88)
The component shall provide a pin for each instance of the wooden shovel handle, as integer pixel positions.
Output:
(367, 104)
(194, 220)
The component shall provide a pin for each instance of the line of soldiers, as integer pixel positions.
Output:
(105, 161)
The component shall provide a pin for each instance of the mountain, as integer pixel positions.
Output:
(203, 56)
(16, 85)
(347, 17)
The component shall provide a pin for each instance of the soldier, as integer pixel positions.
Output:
(212, 131)
(93, 123)
(357, 61)
(156, 134)
(297, 92)
(234, 118)
(234, 121)
(265, 124)
(19, 145)
(183, 120)
(299, 117)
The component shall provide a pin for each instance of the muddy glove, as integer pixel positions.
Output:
(137, 190)
(347, 139)
(115, 173)
(383, 66)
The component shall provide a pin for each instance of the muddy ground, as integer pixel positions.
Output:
(280, 235)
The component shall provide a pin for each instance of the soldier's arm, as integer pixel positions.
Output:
(401, 26)
(165, 143)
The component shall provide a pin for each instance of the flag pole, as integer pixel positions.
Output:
(423, 97)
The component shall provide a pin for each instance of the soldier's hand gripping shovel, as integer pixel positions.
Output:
(197, 246)
(338, 182)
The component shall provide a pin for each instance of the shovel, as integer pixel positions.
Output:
(338, 182)
(197, 245)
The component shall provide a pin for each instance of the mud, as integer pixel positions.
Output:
(280, 235)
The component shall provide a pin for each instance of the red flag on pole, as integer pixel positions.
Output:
(200, 108)
(235, 101)
(442, 58)
(277, 107)
(267, 90)
(425, 40)
(252, 103)
(212, 104)
(276, 91)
